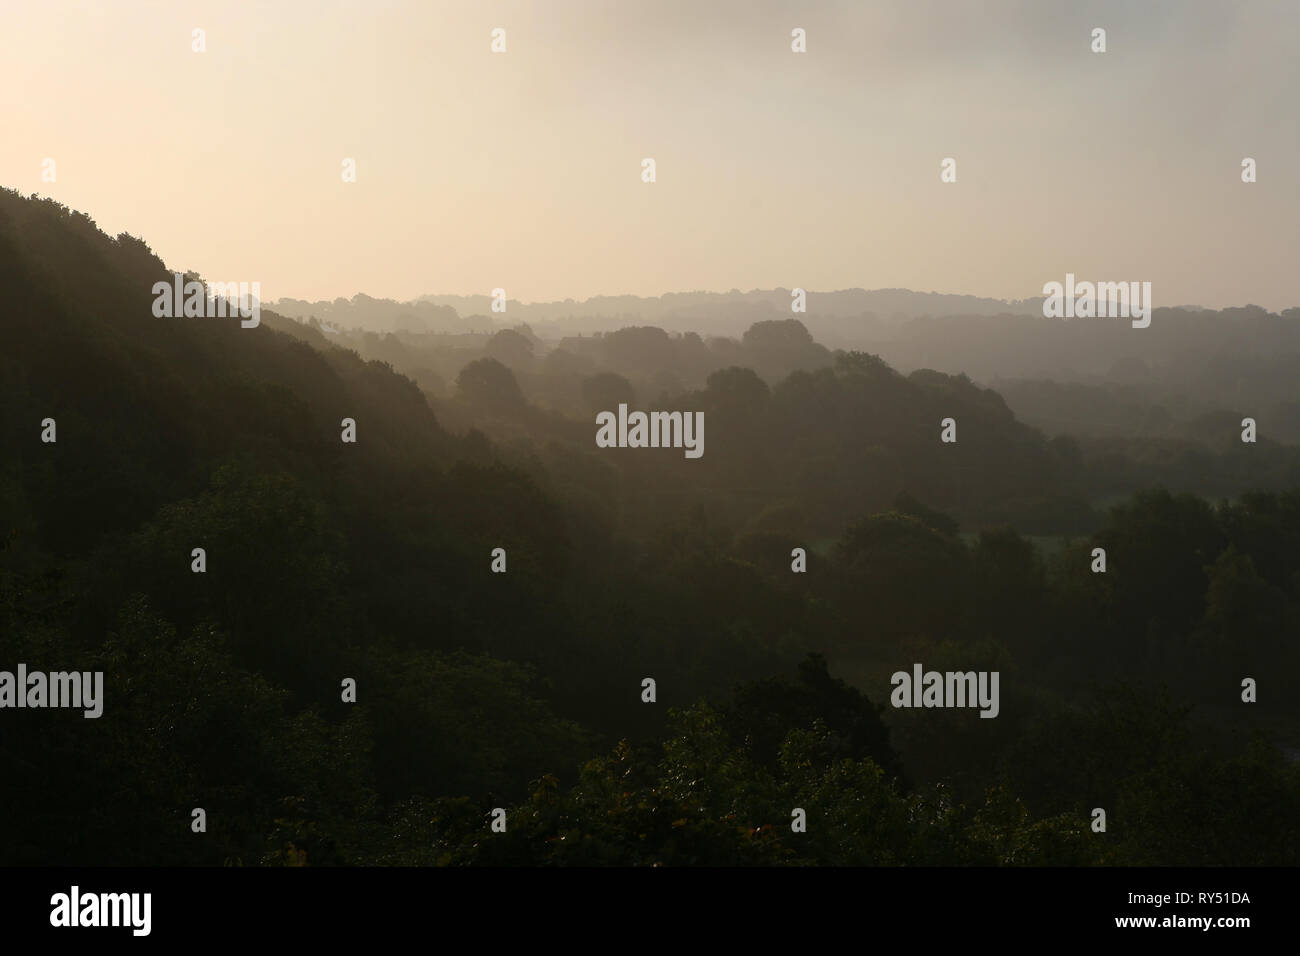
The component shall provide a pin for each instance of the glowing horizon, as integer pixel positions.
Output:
(774, 169)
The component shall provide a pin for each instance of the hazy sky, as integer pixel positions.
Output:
(523, 169)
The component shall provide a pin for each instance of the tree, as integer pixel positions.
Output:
(489, 384)
(605, 391)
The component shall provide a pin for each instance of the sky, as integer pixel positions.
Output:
(522, 170)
